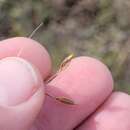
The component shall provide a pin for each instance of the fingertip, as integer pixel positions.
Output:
(93, 63)
(95, 71)
(31, 51)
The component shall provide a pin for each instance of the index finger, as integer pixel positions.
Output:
(85, 81)
(31, 50)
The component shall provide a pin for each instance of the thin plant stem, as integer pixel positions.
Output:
(30, 36)
(35, 30)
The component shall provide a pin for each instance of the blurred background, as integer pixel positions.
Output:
(97, 28)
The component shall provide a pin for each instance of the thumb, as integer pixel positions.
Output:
(21, 94)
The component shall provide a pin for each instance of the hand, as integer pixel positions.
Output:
(86, 81)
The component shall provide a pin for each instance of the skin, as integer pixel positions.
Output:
(88, 82)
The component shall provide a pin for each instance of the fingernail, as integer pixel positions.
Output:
(19, 80)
